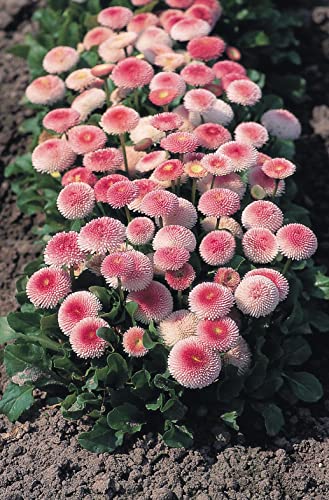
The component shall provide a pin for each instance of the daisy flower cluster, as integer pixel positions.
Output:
(168, 188)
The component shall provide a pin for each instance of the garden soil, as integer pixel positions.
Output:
(40, 458)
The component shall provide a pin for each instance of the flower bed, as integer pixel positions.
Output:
(187, 273)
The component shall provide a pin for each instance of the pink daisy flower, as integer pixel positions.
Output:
(54, 155)
(88, 101)
(45, 90)
(61, 119)
(82, 79)
(75, 307)
(177, 326)
(260, 245)
(143, 20)
(140, 231)
(194, 364)
(180, 142)
(159, 203)
(243, 156)
(166, 121)
(115, 18)
(199, 100)
(195, 169)
(60, 59)
(171, 258)
(212, 135)
(217, 248)
(231, 181)
(84, 340)
(282, 124)
(251, 133)
(132, 341)
(239, 356)
(262, 214)
(121, 40)
(103, 185)
(186, 215)
(47, 287)
(170, 170)
(227, 277)
(219, 334)
(278, 279)
(132, 73)
(278, 168)
(121, 193)
(202, 12)
(102, 70)
(297, 241)
(210, 300)
(101, 235)
(154, 303)
(189, 28)
(162, 97)
(174, 236)
(79, 174)
(119, 119)
(62, 250)
(244, 92)
(76, 200)
(96, 36)
(217, 164)
(219, 202)
(182, 278)
(103, 160)
(197, 74)
(117, 265)
(256, 296)
(168, 80)
(223, 68)
(144, 187)
(206, 48)
(86, 138)
(231, 77)
(256, 177)
(220, 113)
(180, 4)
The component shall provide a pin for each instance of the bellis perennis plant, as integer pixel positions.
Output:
(171, 290)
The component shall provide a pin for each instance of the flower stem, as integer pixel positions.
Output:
(160, 222)
(217, 223)
(286, 266)
(124, 152)
(122, 297)
(212, 181)
(136, 100)
(173, 186)
(108, 94)
(180, 298)
(193, 191)
(127, 214)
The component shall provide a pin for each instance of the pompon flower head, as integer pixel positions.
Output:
(194, 364)
(115, 18)
(151, 37)
(102, 235)
(53, 155)
(119, 119)
(75, 307)
(182, 278)
(195, 169)
(159, 203)
(86, 138)
(47, 287)
(219, 202)
(206, 48)
(210, 300)
(256, 177)
(144, 131)
(60, 59)
(244, 92)
(121, 194)
(96, 36)
(143, 20)
(231, 77)
(231, 181)
(154, 303)
(122, 40)
(228, 223)
(198, 11)
(297, 241)
(197, 74)
(177, 326)
(110, 55)
(199, 100)
(62, 250)
(82, 79)
(278, 168)
(174, 236)
(278, 279)
(239, 356)
(102, 70)
(140, 276)
(76, 200)
(217, 248)
(168, 80)
(256, 296)
(220, 113)
(102, 186)
(170, 170)
(189, 28)
(227, 277)
(45, 90)
(212, 135)
(251, 133)
(88, 101)
(166, 121)
(79, 174)
(140, 231)
(170, 258)
(170, 61)
(217, 164)
(262, 213)
(117, 265)
(61, 119)
(260, 245)
(219, 334)
(185, 215)
(223, 68)
(103, 160)
(180, 4)
(84, 340)
(144, 186)
(132, 73)
(132, 341)
(242, 155)
(282, 124)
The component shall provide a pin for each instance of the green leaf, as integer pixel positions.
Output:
(16, 400)
(178, 437)
(49, 324)
(19, 50)
(156, 404)
(6, 333)
(100, 438)
(296, 350)
(273, 418)
(126, 418)
(147, 341)
(118, 370)
(24, 322)
(19, 357)
(107, 334)
(162, 382)
(102, 294)
(305, 386)
(254, 39)
(320, 321)
(230, 419)
(131, 308)
(322, 283)
(173, 409)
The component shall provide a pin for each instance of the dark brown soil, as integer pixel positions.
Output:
(41, 459)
